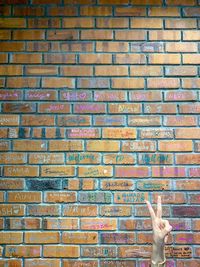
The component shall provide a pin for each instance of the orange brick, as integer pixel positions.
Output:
(130, 11)
(119, 133)
(44, 23)
(169, 198)
(168, 171)
(61, 251)
(28, 35)
(27, 171)
(145, 96)
(181, 2)
(111, 70)
(57, 171)
(24, 223)
(64, 145)
(164, 11)
(41, 70)
(12, 23)
(10, 70)
(117, 185)
(191, 83)
(129, 59)
(103, 145)
(80, 263)
(9, 120)
(164, 59)
(95, 171)
(83, 158)
(62, 11)
(180, 71)
(139, 146)
(76, 71)
(127, 197)
(60, 197)
(11, 237)
(164, 35)
(78, 22)
(83, 133)
(26, 58)
(102, 224)
(42, 262)
(124, 108)
(42, 237)
(59, 58)
(153, 185)
(12, 210)
(191, 35)
(146, 2)
(95, 58)
(37, 120)
(96, 11)
(146, 71)
(29, 145)
(11, 46)
(5, 34)
(90, 108)
(188, 159)
(156, 133)
(129, 171)
(20, 82)
(9, 184)
(180, 23)
(1, 196)
(35, 46)
(96, 34)
(4, 145)
(112, 22)
(58, 107)
(23, 251)
(148, 23)
(5, 10)
(28, 11)
(24, 197)
(112, 46)
(156, 158)
(182, 145)
(189, 133)
(127, 83)
(191, 59)
(80, 210)
(46, 158)
(180, 121)
(144, 120)
(131, 35)
(43, 210)
(58, 82)
(188, 185)
(3, 58)
(182, 47)
(61, 223)
(191, 11)
(163, 83)
(62, 35)
(180, 96)
(80, 238)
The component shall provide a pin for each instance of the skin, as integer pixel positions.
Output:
(161, 230)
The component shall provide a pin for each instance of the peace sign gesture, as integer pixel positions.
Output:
(161, 227)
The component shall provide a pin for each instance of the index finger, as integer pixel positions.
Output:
(159, 208)
(151, 211)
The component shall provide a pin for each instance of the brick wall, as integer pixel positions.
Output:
(99, 111)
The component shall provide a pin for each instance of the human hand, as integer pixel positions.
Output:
(161, 227)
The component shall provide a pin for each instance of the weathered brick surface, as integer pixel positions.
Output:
(100, 109)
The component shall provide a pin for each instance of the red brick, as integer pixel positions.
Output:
(102, 224)
(148, 23)
(42, 237)
(96, 11)
(3, 58)
(129, 171)
(146, 2)
(79, 263)
(130, 11)
(181, 2)
(181, 71)
(160, 108)
(180, 24)
(44, 23)
(26, 58)
(130, 35)
(24, 197)
(95, 58)
(170, 198)
(188, 185)
(180, 121)
(62, 11)
(80, 238)
(153, 185)
(168, 171)
(9, 184)
(188, 159)
(58, 107)
(21, 82)
(130, 59)
(124, 108)
(128, 83)
(24, 223)
(146, 71)
(41, 70)
(37, 120)
(65, 145)
(137, 251)
(191, 11)
(28, 11)
(78, 22)
(80, 210)
(10, 70)
(183, 145)
(164, 35)
(43, 210)
(28, 35)
(12, 23)
(119, 133)
(180, 96)
(27, 171)
(112, 22)
(5, 34)
(164, 11)
(61, 251)
(112, 46)
(42, 262)
(62, 35)
(9, 120)
(60, 197)
(11, 237)
(61, 223)
(39, 46)
(96, 35)
(191, 83)
(23, 251)
(190, 108)
(95, 171)
(58, 82)
(5, 10)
